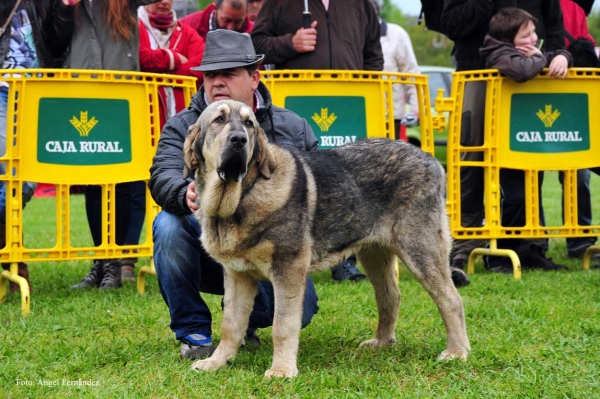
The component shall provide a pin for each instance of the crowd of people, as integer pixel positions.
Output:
(225, 46)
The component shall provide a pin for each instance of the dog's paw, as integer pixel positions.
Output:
(285, 372)
(448, 354)
(207, 365)
(377, 343)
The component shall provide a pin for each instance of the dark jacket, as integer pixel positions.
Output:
(466, 23)
(52, 24)
(168, 187)
(347, 35)
(511, 63)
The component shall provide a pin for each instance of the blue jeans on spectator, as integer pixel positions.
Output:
(184, 270)
(28, 188)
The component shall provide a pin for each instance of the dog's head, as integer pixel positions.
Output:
(227, 139)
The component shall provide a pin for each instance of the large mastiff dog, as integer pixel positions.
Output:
(269, 213)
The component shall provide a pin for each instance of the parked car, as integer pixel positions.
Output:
(439, 78)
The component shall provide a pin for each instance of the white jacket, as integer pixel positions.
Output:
(398, 56)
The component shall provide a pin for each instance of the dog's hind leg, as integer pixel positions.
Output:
(379, 264)
(425, 252)
(240, 290)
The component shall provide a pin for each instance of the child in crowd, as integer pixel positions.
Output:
(511, 46)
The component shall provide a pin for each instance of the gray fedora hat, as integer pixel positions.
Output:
(225, 49)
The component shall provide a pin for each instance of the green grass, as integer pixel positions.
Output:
(534, 338)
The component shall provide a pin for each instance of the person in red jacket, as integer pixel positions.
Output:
(222, 14)
(168, 46)
(575, 21)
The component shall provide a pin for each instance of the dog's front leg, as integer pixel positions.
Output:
(289, 295)
(240, 290)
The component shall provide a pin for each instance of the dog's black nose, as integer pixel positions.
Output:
(238, 139)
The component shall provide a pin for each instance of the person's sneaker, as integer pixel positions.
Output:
(251, 337)
(459, 277)
(196, 346)
(535, 258)
(112, 274)
(93, 279)
(128, 273)
(346, 270)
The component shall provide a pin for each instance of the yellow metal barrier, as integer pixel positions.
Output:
(78, 127)
(544, 124)
(345, 106)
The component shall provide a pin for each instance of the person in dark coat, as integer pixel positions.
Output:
(184, 269)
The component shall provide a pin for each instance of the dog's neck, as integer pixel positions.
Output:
(221, 199)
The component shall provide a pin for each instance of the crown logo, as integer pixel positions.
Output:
(325, 120)
(83, 125)
(549, 117)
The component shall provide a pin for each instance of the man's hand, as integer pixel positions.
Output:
(558, 67)
(70, 2)
(191, 196)
(305, 40)
(528, 50)
(182, 58)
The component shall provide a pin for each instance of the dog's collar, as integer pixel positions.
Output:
(250, 187)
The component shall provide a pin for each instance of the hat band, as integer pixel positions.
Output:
(234, 58)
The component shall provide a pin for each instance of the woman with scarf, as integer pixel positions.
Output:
(168, 46)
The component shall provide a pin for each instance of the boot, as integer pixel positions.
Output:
(112, 274)
(93, 279)
(23, 271)
(128, 269)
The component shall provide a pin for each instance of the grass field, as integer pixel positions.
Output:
(534, 338)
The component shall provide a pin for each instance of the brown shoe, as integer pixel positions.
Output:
(128, 273)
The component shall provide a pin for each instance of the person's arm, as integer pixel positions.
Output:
(462, 18)
(372, 54)
(312, 143)
(405, 56)
(193, 50)
(515, 65)
(277, 49)
(156, 60)
(166, 184)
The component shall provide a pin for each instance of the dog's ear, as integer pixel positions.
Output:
(189, 155)
(264, 157)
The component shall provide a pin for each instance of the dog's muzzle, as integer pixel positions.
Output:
(234, 158)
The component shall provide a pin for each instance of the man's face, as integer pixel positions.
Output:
(253, 9)
(235, 84)
(231, 16)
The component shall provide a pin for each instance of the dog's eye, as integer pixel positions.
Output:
(248, 123)
(219, 119)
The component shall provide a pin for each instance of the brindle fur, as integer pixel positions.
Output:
(293, 213)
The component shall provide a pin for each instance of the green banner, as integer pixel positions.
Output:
(81, 131)
(336, 120)
(549, 123)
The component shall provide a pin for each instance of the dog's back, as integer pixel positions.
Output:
(366, 188)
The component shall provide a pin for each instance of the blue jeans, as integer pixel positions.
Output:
(184, 270)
